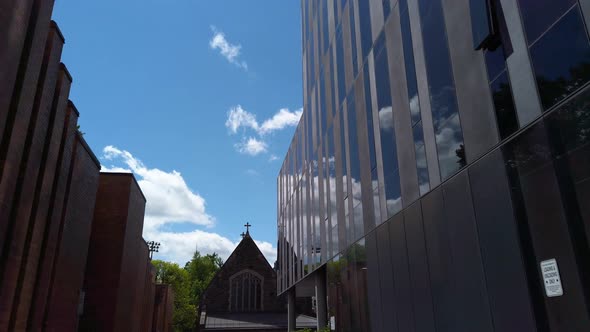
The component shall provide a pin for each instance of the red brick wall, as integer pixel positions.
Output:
(14, 20)
(54, 222)
(128, 309)
(17, 123)
(163, 309)
(116, 270)
(149, 298)
(30, 164)
(72, 253)
(41, 200)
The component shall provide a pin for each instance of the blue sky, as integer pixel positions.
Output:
(196, 98)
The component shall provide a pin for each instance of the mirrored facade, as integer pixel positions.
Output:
(443, 154)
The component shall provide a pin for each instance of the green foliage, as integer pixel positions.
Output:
(184, 311)
(188, 284)
(201, 270)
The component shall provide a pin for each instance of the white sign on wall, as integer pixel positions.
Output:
(551, 278)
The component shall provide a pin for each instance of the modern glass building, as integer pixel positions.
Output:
(439, 178)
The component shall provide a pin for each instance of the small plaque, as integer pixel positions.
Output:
(551, 278)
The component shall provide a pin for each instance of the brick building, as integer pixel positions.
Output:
(243, 295)
(117, 258)
(49, 184)
(163, 308)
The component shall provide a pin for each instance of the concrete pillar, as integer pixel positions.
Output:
(321, 299)
(291, 311)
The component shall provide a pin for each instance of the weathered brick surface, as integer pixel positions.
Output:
(148, 297)
(117, 257)
(14, 20)
(245, 256)
(163, 309)
(54, 223)
(42, 197)
(140, 280)
(30, 165)
(13, 140)
(73, 247)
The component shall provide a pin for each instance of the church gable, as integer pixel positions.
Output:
(245, 283)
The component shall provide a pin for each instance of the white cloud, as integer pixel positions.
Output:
(251, 146)
(170, 198)
(252, 172)
(237, 117)
(273, 158)
(283, 118)
(229, 51)
(171, 201)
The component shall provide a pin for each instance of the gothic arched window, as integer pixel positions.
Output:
(246, 291)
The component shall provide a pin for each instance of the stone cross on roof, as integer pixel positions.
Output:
(247, 225)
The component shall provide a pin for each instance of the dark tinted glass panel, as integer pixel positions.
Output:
(386, 9)
(386, 277)
(374, 289)
(421, 163)
(379, 43)
(340, 66)
(355, 169)
(438, 63)
(353, 40)
(495, 62)
(325, 29)
(365, 26)
(393, 196)
(343, 154)
(538, 15)
(504, 105)
(569, 133)
(561, 59)
(451, 151)
(409, 63)
(369, 112)
(335, 105)
(447, 126)
(323, 109)
(481, 22)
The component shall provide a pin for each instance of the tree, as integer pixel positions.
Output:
(188, 284)
(201, 270)
(178, 278)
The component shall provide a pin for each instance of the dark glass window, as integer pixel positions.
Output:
(386, 9)
(504, 105)
(369, 112)
(386, 128)
(481, 21)
(353, 40)
(335, 105)
(343, 155)
(325, 29)
(340, 66)
(495, 62)
(561, 59)
(355, 165)
(538, 15)
(409, 63)
(447, 126)
(421, 164)
(365, 26)
(323, 109)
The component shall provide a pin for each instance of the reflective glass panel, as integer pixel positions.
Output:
(504, 105)
(561, 59)
(538, 15)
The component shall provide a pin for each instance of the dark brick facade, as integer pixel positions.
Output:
(163, 309)
(116, 270)
(49, 179)
(246, 256)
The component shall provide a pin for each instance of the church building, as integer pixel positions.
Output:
(242, 296)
